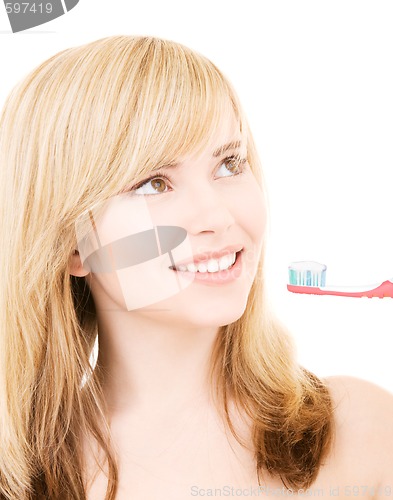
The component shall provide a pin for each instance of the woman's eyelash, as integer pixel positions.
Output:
(160, 174)
(157, 173)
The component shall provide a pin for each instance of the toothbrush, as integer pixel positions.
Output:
(310, 277)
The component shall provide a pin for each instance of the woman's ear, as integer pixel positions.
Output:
(75, 266)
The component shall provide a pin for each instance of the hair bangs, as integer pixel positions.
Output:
(183, 101)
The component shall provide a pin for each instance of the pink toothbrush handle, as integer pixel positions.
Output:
(383, 290)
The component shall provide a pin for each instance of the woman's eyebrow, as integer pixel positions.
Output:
(230, 145)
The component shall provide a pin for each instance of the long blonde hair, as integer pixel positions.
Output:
(82, 125)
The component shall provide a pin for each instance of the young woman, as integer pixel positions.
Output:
(133, 211)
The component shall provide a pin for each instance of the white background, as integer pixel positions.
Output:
(316, 80)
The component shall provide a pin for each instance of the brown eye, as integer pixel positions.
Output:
(152, 186)
(233, 165)
(158, 184)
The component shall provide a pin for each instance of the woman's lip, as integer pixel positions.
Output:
(220, 277)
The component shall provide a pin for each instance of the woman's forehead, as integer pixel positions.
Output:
(220, 148)
(227, 135)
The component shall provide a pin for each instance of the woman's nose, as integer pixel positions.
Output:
(207, 209)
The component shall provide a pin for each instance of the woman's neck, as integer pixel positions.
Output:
(153, 366)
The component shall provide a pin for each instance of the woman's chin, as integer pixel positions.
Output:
(217, 315)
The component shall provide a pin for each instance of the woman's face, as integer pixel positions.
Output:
(206, 210)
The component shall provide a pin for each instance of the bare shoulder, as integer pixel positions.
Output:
(352, 393)
(364, 430)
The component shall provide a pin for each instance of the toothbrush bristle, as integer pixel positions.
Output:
(307, 273)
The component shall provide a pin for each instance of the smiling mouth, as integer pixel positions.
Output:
(209, 266)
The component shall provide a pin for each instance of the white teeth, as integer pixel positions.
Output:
(202, 268)
(192, 267)
(211, 266)
(227, 261)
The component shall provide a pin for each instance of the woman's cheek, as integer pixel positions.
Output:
(252, 211)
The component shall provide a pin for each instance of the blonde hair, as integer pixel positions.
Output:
(76, 130)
